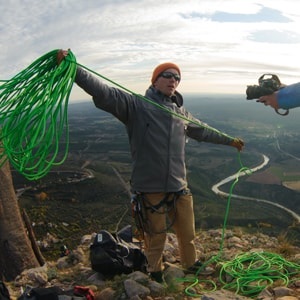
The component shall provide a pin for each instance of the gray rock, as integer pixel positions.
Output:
(133, 288)
(282, 291)
(223, 295)
(106, 294)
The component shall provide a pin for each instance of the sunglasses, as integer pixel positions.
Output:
(169, 75)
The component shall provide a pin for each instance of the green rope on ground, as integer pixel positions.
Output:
(217, 258)
(248, 273)
(33, 115)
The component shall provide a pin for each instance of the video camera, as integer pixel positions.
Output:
(267, 85)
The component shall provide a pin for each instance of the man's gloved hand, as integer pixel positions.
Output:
(61, 54)
(237, 143)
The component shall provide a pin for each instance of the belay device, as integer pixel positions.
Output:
(267, 85)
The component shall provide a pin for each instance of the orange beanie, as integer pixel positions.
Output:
(161, 68)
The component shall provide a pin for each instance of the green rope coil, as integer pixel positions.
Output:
(33, 115)
(250, 273)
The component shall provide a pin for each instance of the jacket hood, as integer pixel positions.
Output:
(153, 93)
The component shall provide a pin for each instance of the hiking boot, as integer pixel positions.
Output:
(199, 269)
(194, 268)
(157, 276)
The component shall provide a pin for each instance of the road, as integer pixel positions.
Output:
(216, 190)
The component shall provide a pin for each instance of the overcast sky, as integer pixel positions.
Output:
(220, 46)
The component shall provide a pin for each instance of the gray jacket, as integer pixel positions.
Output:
(157, 138)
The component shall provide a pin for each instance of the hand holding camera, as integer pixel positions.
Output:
(268, 84)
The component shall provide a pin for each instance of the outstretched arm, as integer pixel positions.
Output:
(212, 135)
(287, 97)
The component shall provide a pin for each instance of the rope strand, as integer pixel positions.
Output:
(33, 114)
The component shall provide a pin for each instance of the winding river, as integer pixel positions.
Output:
(216, 190)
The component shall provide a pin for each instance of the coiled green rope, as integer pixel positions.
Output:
(248, 273)
(252, 272)
(33, 115)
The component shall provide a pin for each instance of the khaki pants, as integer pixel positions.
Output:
(183, 225)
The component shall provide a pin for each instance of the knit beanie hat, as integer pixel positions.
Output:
(161, 68)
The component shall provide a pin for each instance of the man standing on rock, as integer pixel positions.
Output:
(157, 142)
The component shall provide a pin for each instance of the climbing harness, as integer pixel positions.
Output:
(141, 205)
(139, 216)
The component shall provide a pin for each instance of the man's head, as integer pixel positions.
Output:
(166, 78)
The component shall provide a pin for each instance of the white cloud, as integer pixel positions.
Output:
(220, 45)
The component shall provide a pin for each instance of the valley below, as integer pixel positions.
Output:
(90, 191)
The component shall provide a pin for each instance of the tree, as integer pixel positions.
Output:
(16, 251)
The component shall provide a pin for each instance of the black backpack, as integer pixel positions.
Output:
(4, 293)
(56, 293)
(113, 254)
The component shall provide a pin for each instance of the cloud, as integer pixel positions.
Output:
(275, 36)
(265, 14)
(125, 39)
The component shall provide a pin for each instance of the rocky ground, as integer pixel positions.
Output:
(237, 266)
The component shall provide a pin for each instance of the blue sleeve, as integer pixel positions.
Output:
(289, 96)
